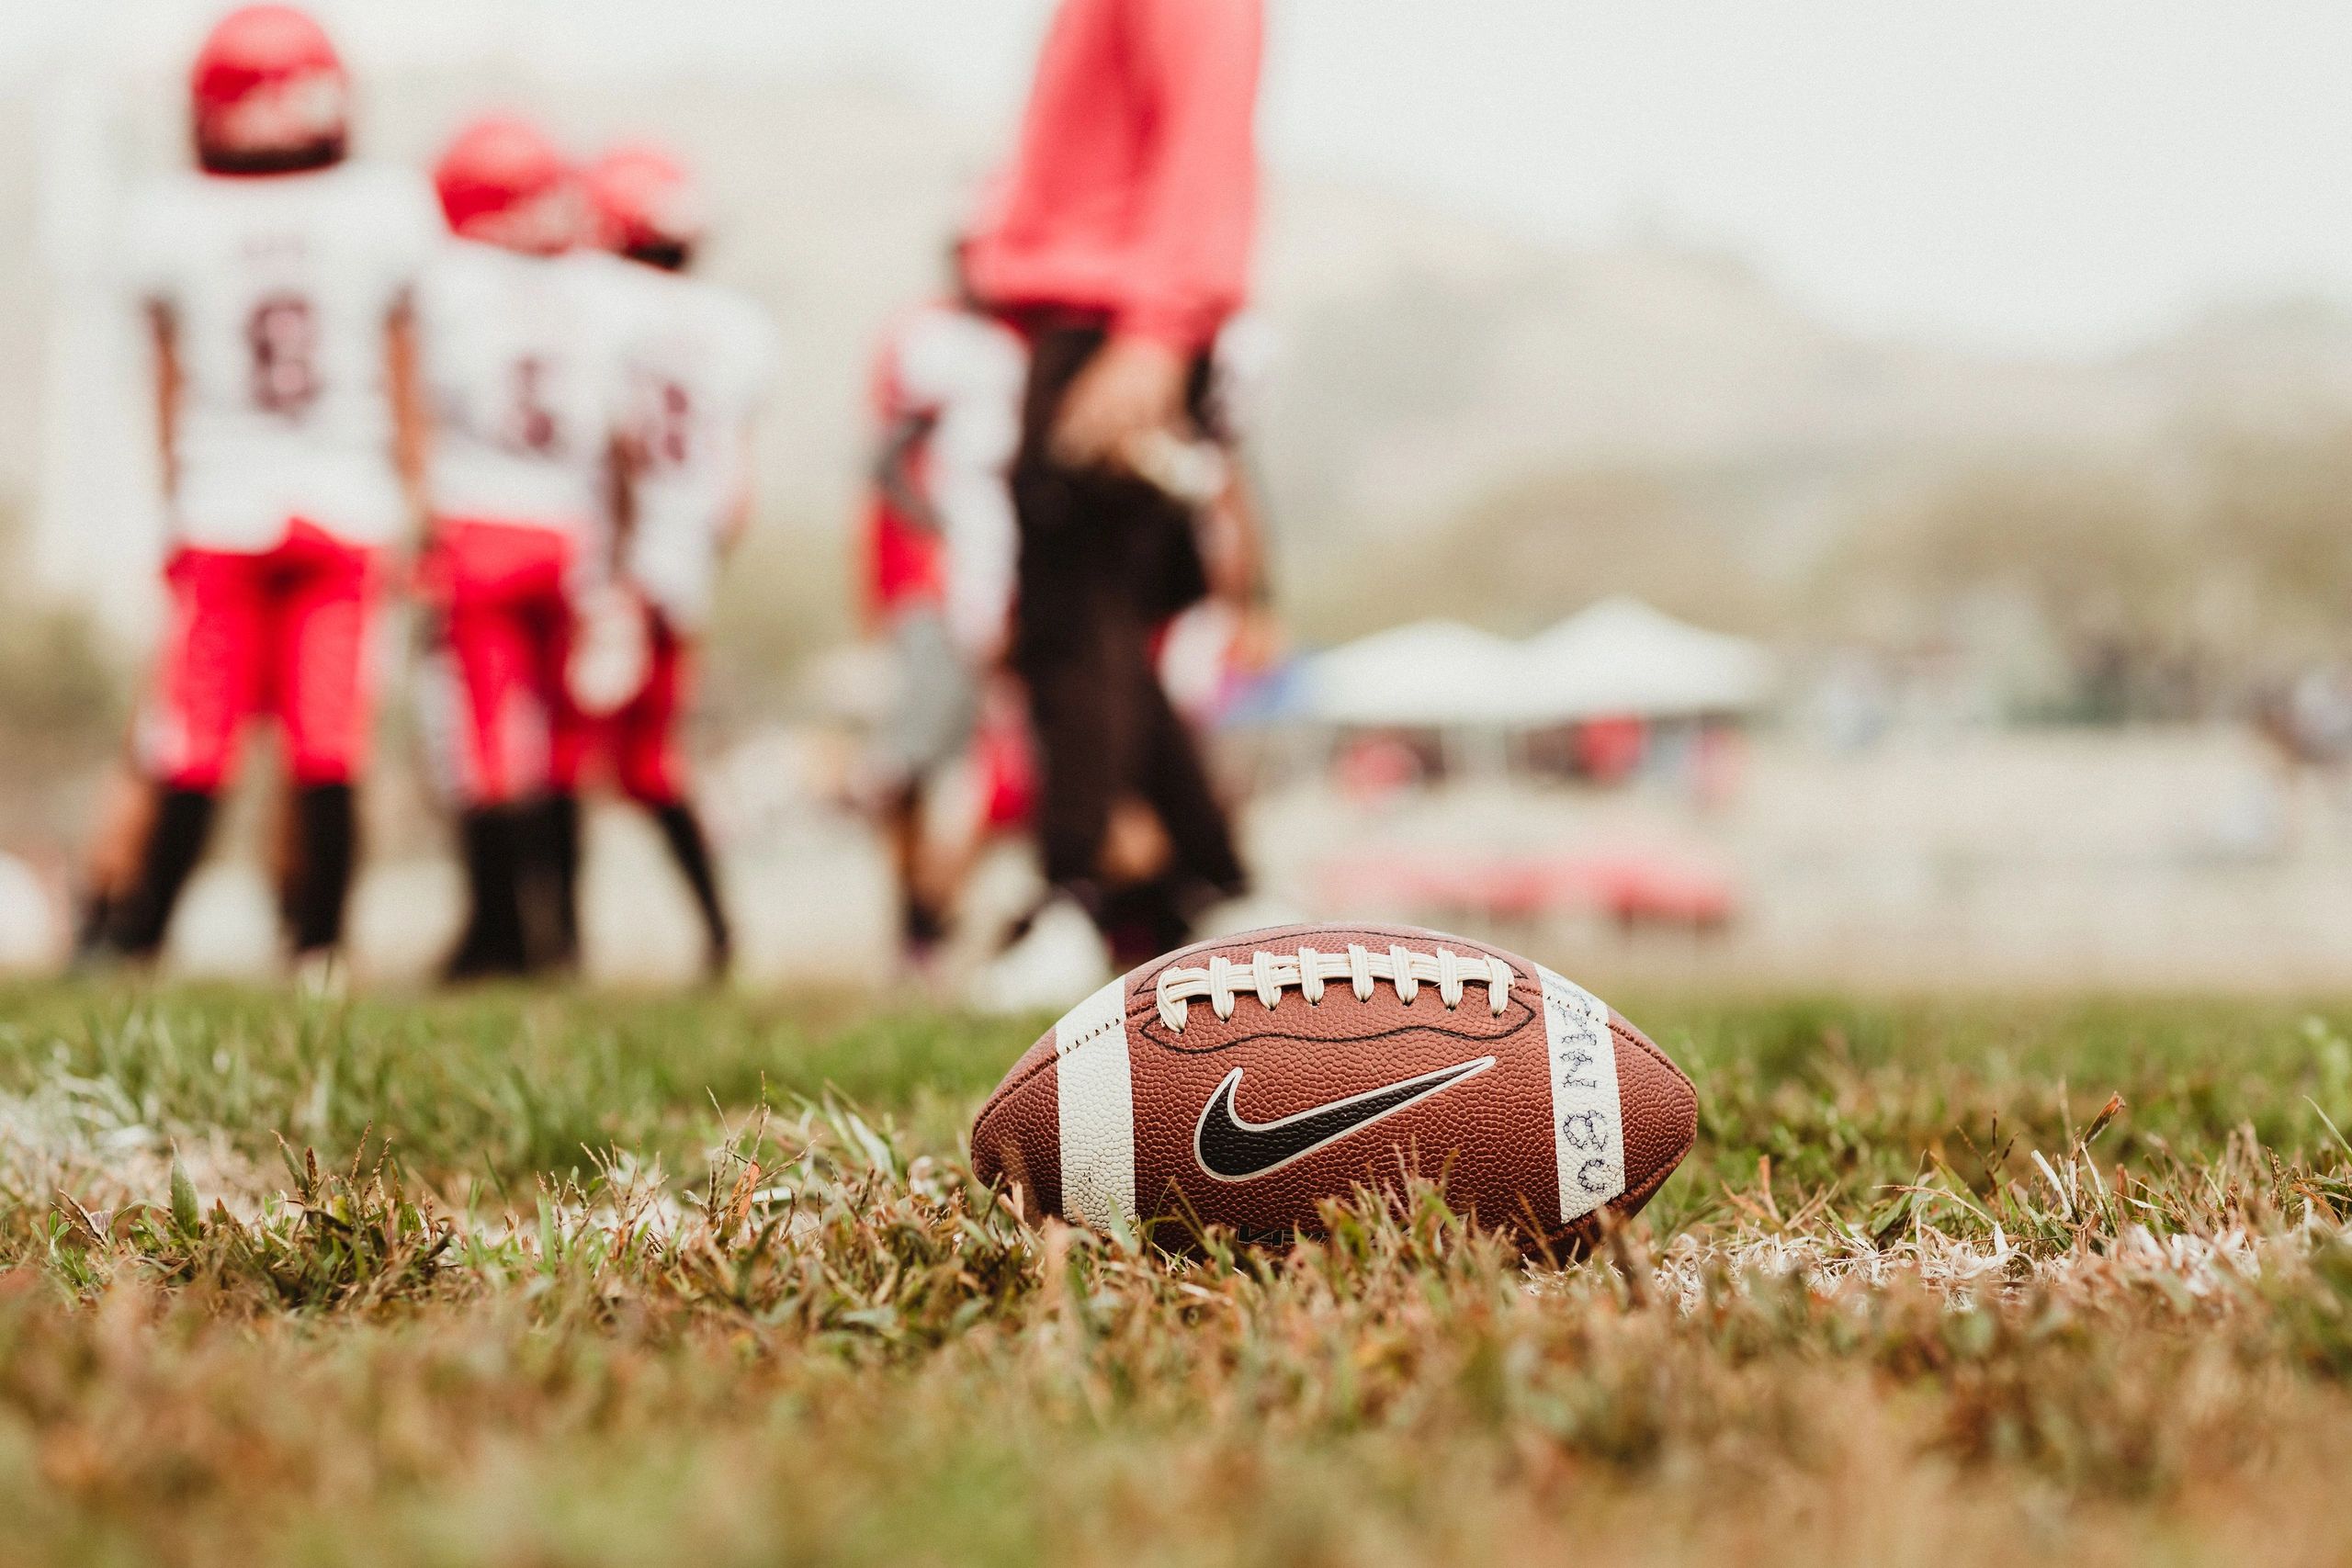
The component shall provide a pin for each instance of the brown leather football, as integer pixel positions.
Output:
(1242, 1081)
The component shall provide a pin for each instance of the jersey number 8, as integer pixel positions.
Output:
(282, 334)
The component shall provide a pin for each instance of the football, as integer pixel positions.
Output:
(1242, 1081)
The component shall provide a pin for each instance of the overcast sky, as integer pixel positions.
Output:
(2048, 174)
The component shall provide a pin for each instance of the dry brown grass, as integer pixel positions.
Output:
(2113, 1338)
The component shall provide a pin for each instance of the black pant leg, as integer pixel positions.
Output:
(1176, 782)
(1086, 751)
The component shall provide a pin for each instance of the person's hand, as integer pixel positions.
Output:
(1136, 846)
(1133, 387)
(1257, 641)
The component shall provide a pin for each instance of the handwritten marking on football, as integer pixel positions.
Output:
(1270, 974)
(1587, 1115)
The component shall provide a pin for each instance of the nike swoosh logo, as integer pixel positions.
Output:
(1232, 1149)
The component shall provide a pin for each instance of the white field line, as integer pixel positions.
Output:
(2205, 1267)
(86, 1137)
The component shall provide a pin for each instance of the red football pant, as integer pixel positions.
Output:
(509, 620)
(280, 633)
(641, 738)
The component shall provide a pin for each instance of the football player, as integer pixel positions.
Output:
(278, 280)
(696, 358)
(525, 392)
(940, 548)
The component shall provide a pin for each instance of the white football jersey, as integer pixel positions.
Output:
(522, 379)
(280, 291)
(965, 372)
(697, 359)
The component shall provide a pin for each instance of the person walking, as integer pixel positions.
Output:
(1118, 243)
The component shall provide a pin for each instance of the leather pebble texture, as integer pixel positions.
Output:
(1537, 1118)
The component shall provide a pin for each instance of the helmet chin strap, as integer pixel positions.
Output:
(321, 154)
(667, 257)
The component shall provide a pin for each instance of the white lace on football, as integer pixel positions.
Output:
(1270, 974)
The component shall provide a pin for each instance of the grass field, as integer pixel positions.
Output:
(578, 1280)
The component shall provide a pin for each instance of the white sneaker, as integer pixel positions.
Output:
(1056, 964)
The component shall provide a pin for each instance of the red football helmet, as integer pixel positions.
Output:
(270, 94)
(503, 182)
(646, 205)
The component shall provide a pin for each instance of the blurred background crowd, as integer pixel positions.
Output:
(1913, 541)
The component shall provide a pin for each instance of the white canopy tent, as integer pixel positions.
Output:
(1429, 674)
(1617, 656)
(1622, 657)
